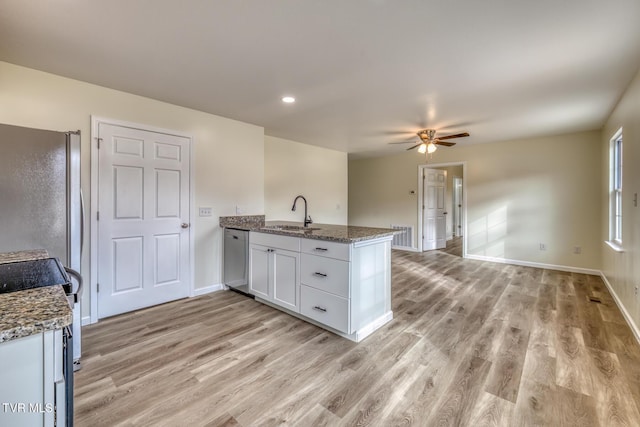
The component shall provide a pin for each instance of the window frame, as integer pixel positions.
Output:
(616, 148)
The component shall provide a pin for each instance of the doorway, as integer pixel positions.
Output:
(450, 201)
(141, 218)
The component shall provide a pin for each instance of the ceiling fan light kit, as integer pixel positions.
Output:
(429, 141)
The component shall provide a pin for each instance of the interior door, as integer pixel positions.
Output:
(434, 221)
(457, 206)
(143, 218)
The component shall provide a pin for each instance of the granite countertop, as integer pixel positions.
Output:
(329, 232)
(32, 311)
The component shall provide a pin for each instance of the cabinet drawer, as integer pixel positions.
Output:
(275, 241)
(328, 309)
(324, 248)
(327, 274)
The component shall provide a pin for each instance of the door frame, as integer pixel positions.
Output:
(421, 169)
(457, 221)
(95, 122)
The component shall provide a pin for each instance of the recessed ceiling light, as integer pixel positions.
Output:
(288, 99)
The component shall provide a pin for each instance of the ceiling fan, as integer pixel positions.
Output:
(428, 141)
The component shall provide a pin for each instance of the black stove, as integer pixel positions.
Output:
(21, 275)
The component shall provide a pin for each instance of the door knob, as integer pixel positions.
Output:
(184, 225)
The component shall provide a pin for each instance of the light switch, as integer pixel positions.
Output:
(205, 211)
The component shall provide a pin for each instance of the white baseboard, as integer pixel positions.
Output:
(208, 289)
(623, 310)
(357, 336)
(373, 326)
(625, 313)
(86, 320)
(535, 264)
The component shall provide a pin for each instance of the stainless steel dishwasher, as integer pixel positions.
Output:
(236, 260)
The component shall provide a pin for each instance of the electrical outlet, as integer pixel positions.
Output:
(636, 290)
(577, 250)
(543, 247)
(239, 210)
(205, 211)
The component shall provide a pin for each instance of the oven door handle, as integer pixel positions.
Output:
(71, 272)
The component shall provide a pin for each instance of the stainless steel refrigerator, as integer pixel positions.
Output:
(41, 200)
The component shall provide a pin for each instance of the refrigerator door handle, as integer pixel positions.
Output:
(71, 272)
(81, 223)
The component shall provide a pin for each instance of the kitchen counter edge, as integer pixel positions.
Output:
(32, 311)
(328, 232)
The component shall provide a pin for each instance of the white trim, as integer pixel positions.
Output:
(464, 201)
(93, 208)
(612, 190)
(536, 264)
(361, 243)
(614, 245)
(95, 122)
(362, 333)
(625, 313)
(208, 289)
(192, 216)
(405, 249)
(86, 320)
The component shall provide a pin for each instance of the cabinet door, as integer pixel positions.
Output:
(27, 381)
(286, 279)
(259, 271)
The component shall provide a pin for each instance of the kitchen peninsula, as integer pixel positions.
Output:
(337, 277)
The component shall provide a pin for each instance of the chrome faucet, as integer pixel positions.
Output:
(308, 220)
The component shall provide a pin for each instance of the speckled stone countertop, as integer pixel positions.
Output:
(32, 311)
(329, 232)
(242, 222)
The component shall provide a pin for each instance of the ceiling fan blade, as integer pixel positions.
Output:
(443, 143)
(415, 146)
(457, 135)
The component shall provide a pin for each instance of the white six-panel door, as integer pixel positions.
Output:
(143, 223)
(434, 210)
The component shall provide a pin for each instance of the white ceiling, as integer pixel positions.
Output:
(364, 72)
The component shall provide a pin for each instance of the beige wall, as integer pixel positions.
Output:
(622, 269)
(519, 194)
(228, 155)
(319, 174)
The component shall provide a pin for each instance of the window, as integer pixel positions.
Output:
(615, 195)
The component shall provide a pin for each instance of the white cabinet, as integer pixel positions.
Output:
(344, 287)
(326, 249)
(327, 274)
(259, 260)
(326, 308)
(326, 283)
(286, 279)
(274, 269)
(31, 380)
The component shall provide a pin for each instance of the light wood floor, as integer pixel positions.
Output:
(454, 246)
(472, 343)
